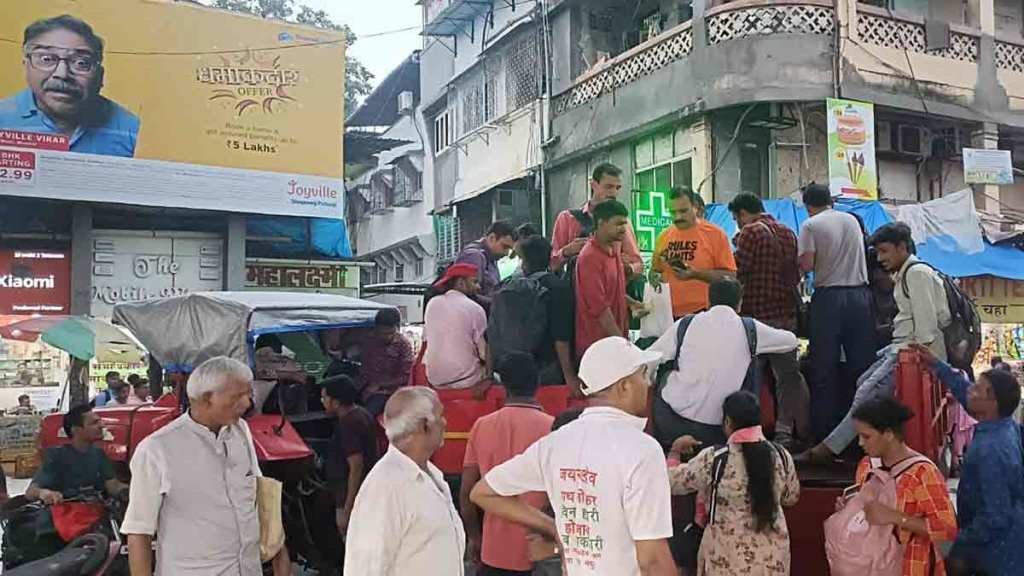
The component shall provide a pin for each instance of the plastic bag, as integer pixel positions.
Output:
(659, 320)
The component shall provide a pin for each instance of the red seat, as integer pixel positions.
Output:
(554, 399)
(462, 410)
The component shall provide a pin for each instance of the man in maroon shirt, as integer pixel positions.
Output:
(601, 308)
(387, 360)
(768, 268)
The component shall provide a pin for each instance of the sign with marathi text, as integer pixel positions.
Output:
(998, 300)
(34, 282)
(170, 104)
(852, 171)
(988, 167)
(133, 266)
(302, 276)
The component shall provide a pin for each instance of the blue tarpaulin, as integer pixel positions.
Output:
(1002, 261)
(309, 237)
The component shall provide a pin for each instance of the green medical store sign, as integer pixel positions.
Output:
(650, 216)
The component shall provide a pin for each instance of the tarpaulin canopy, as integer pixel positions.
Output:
(180, 333)
(1002, 261)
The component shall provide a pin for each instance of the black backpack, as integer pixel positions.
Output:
(963, 334)
(752, 381)
(519, 316)
(880, 284)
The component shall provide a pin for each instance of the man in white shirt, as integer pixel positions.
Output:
(404, 521)
(711, 364)
(454, 327)
(605, 478)
(194, 484)
(923, 312)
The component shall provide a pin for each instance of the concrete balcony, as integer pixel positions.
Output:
(789, 50)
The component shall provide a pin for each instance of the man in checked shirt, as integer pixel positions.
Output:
(768, 268)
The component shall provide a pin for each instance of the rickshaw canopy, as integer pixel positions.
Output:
(180, 333)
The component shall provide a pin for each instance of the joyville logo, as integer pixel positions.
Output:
(317, 194)
(250, 82)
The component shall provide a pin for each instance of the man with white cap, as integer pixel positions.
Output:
(605, 478)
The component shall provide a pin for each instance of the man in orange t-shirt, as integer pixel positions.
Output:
(690, 255)
(498, 545)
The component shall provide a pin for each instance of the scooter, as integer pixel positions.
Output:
(88, 555)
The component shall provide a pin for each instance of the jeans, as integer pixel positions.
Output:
(668, 426)
(486, 570)
(878, 380)
(793, 396)
(842, 319)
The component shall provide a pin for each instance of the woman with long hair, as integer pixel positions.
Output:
(924, 515)
(744, 486)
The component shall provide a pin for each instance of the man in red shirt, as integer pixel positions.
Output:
(574, 227)
(499, 545)
(768, 268)
(601, 309)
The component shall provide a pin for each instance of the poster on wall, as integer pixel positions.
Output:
(170, 104)
(852, 171)
(988, 167)
(34, 282)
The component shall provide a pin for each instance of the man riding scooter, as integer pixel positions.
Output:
(72, 471)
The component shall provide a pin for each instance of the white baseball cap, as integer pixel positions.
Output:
(609, 360)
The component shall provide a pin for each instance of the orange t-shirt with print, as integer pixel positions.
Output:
(703, 246)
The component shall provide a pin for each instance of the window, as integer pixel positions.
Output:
(446, 228)
(418, 268)
(399, 272)
(442, 131)
(663, 162)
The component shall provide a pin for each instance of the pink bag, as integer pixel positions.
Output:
(856, 548)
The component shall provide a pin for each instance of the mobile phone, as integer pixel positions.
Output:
(851, 491)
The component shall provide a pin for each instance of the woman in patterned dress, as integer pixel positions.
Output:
(924, 514)
(748, 535)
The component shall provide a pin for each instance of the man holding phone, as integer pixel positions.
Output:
(690, 255)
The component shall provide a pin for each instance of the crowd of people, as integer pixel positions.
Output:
(594, 491)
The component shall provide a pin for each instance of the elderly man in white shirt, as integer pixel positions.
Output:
(404, 520)
(605, 478)
(194, 484)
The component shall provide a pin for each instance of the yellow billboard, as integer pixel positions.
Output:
(170, 104)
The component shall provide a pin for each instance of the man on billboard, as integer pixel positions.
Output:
(63, 61)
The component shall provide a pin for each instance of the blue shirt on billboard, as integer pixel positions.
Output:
(108, 129)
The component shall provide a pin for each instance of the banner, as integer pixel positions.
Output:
(852, 170)
(998, 300)
(170, 104)
(988, 167)
(35, 282)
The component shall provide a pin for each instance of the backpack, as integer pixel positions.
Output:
(519, 316)
(963, 333)
(856, 548)
(880, 284)
(752, 381)
(718, 472)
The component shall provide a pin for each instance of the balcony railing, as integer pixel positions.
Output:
(757, 18)
(883, 28)
(1010, 56)
(627, 67)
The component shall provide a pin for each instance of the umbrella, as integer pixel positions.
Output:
(83, 337)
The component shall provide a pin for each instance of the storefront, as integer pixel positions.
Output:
(1000, 303)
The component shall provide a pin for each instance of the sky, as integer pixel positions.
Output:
(381, 54)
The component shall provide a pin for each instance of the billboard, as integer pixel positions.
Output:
(170, 104)
(988, 167)
(852, 171)
(34, 282)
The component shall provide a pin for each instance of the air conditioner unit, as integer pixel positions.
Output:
(913, 140)
(883, 136)
(405, 103)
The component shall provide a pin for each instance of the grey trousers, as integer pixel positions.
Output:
(878, 380)
(793, 395)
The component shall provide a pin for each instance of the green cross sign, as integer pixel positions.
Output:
(650, 216)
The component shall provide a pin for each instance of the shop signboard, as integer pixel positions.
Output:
(130, 266)
(170, 104)
(852, 170)
(651, 215)
(998, 300)
(302, 276)
(988, 167)
(34, 282)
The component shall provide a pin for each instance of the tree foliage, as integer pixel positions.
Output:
(357, 77)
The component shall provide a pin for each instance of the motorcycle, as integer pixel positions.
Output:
(88, 555)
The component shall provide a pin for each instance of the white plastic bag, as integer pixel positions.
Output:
(659, 320)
